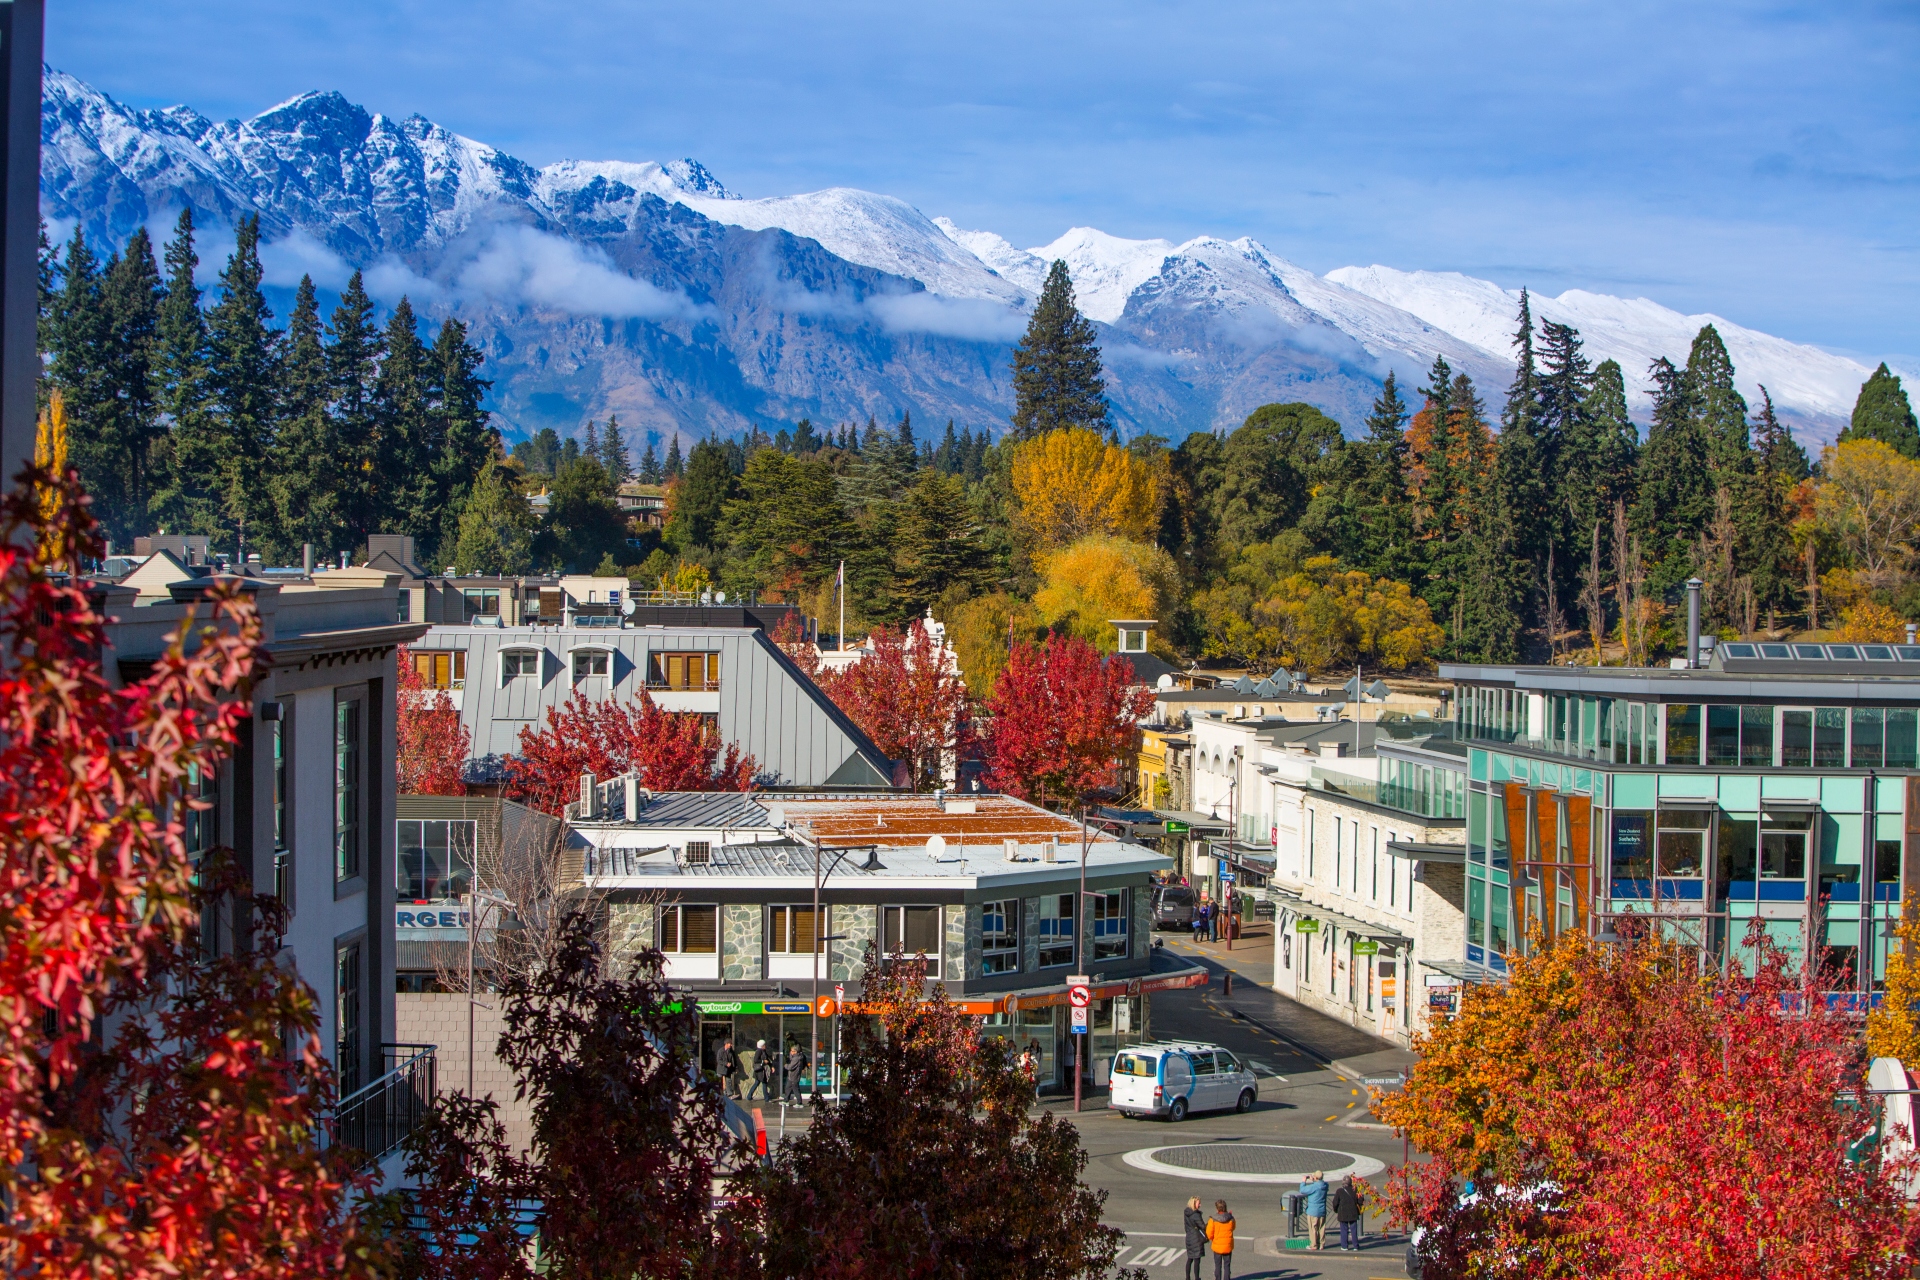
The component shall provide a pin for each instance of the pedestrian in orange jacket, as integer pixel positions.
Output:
(1220, 1236)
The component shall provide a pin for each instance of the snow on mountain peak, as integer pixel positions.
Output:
(1105, 269)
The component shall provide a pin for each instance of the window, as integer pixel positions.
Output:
(1869, 738)
(1136, 1064)
(699, 853)
(1783, 845)
(519, 664)
(403, 612)
(1309, 844)
(282, 855)
(1000, 937)
(441, 670)
(202, 820)
(1632, 845)
(591, 664)
(1202, 1063)
(1683, 734)
(1110, 936)
(1056, 929)
(690, 930)
(691, 671)
(1339, 849)
(1756, 736)
(1796, 737)
(1374, 833)
(1132, 641)
(346, 788)
(793, 930)
(1901, 737)
(346, 1016)
(913, 932)
(1723, 735)
(436, 858)
(1683, 841)
(481, 602)
(1829, 737)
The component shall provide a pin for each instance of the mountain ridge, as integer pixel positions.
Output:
(654, 291)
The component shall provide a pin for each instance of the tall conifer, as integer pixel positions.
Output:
(353, 368)
(1057, 378)
(613, 452)
(306, 476)
(180, 359)
(1882, 412)
(1675, 482)
(408, 444)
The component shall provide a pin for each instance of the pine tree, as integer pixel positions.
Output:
(407, 447)
(591, 449)
(1882, 412)
(1720, 410)
(1377, 522)
(674, 466)
(1766, 543)
(946, 459)
(1573, 503)
(1057, 378)
(940, 544)
(243, 378)
(468, 441)
(353, 369)
(306, 475)
(649, 464)
(1525, 458)
(82, 341)
(805, 439)
(1614, 440)
(703, 496)
(496, 526)
(613, 453)
(180, 360)
(1675, 486)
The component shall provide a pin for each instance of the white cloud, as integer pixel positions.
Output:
(970, 319)
(284, 261)
(390, 279)
(517, 264)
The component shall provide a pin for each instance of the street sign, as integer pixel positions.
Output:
(828, 1008)
(1366, 947)
(1226, 877)
(1079, 1020)
(1079, 995)
(1306, 924)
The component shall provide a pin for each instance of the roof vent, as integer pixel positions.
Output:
(588, 797)
(1012, 848)
(1052, 853)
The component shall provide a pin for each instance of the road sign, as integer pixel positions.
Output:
(1226, 877)
(1079, 995)
(828, 1008)
(1079, 1020)
(839, 992)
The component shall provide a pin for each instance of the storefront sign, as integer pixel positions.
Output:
(724, 1008)
(1366, 947)
(1307, 924)
(1177, 828)
(429, 916)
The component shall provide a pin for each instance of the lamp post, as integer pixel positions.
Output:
(475, 898)
(819, 945)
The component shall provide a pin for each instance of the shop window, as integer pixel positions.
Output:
(913, 932)
(691, 672)
(435, 859)
(794, 930)
(441, 669)
(1000, 937)
(1682, 843)
(690, 930)
(1683, 734)
(1056, 930)
(1110, 924)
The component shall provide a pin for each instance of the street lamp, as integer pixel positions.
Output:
(819, 943)
(475, 898)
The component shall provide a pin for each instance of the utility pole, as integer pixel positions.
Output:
(840, 585)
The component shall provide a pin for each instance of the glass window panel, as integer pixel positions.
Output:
(1683, 734)
(1477, 911)
(1796, 738)
(1869, 728)
(1636, 729)
(1739, 849)
(700, 926)
(1902, 741)
(346, 789)
(669, 928)
(1829, 737)
(1497, 924)
(1056, 929)
(280, 783)
(1783, 854)
(1756, 736)
(1680, 853)
(411, 871)
(1886, 861)
(779, 937)
(1723, 735)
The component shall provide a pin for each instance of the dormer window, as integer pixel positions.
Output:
(1132, 634)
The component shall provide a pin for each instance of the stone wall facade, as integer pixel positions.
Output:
(742, 926)
(861, 925)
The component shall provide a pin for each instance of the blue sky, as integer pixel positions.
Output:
(1760, 161)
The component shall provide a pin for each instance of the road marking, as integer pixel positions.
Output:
(1156, 1256)
(1330, 1119)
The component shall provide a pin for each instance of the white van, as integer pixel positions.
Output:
(1173, 1079)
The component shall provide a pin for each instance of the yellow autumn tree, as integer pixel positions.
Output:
(1869, 502)
(982, 631)
(1070, 484)
(1868, 622)
(1893, 1029)
(1324, 616)
(1087, 585)
(50, 445)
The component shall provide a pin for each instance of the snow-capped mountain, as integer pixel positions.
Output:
(653, 291)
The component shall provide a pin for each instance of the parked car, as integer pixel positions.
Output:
(1173, 907)
(1174, 1080)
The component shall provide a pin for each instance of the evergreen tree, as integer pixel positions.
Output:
(180, 361)
(1057, 378)
(674, 467)
(649, 464)
(1376, 519)
(613, 453)
(1719, 409)
(1674, 487)
(406, 496)
(1765, 537)
(82, 341)
(946, 459)
(1437, 472)
(703, 496)
(132, 293)
(1613, 439)
(468, 441)
(1775, 448)
(1525, 459)
(243, 380)
(805, 439)
(940, 542)
(353, 369)
(496, 526)
(541, 454)
(1573, 503)
(306, 473)
(591, 448)
(1882, 412)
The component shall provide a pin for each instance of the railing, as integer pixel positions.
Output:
(373, 1121)
(684, 686)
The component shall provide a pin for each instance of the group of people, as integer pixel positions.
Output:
(1215, 1234)
(1209, 918)
(770, 1072)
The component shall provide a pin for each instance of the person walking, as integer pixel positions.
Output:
(728, 1065)
(796, 1068)
(1213, 922)
(1315, 1190)
(1200, 923)
(1220, 1236)
(762, 1073)
(1196, 1224)
(1347, 1203)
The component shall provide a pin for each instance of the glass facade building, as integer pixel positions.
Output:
(1776, 793)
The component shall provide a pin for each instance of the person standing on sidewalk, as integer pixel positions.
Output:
(1346, 1207)
(1315, 1189)
(1199, 921)
(1213, 922)
(762, 1073)
(728, 1065)
(1220, 1236)
(1196, 1224)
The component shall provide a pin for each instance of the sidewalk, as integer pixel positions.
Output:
(1251, 957)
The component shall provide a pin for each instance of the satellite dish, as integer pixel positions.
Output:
(1166, 680)
(937, 847)
(627, 606)
(719, 597)
(777, 815)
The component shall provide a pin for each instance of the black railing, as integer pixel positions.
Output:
(373, 1121)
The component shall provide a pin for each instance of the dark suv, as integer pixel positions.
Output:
(1173, 907)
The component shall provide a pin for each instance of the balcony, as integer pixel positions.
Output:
(371, 1123)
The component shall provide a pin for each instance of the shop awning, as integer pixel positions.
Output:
(1465, 971)
(1350, 924)
(1415, 851)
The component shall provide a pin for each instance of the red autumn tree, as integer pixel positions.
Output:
(672, 750)
(180, 1141)
(1064, 720)
(908, 697)
(790, 637)
(430, 743)
(1620, 1115)
(933, 1167)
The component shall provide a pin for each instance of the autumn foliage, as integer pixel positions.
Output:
(908, 697)
(1621, 1115)
(1064, 720)
(178, 1142)
(672, 750)
(1071, 483)
(430, 742)
(931, 1168)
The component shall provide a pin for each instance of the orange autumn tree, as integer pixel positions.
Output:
(671, 750)
(157, 1109)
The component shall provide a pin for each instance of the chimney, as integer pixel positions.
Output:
(306, 558)
(1693, 622)
(588, 809)
(633, 796)
(343, 559)
(1052, 852)
(1911, 630)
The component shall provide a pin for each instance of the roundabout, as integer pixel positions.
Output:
(1250, 1162)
